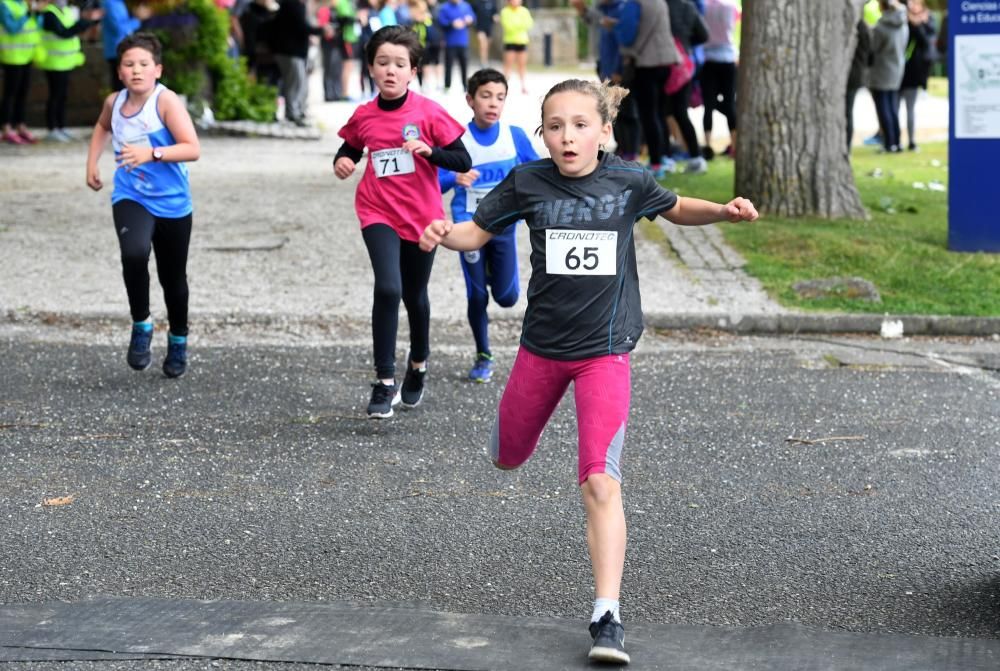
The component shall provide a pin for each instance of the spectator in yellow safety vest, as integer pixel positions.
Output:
(18, 38)
(58, 55)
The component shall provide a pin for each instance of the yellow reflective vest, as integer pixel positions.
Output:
(19, 48)
(59, 53)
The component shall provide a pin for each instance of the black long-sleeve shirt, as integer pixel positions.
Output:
(453, 157)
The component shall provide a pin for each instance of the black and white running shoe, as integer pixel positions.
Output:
(413, 387)
(384, 396)
(609, 641)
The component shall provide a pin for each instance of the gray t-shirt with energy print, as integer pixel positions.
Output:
(583, 297)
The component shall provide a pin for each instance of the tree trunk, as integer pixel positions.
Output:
(792, 157)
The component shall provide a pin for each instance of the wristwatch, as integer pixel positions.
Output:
(157, 154)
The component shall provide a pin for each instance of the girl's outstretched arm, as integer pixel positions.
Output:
(461, 237)
(697, 212)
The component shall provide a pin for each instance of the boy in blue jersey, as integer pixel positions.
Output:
(495, 149)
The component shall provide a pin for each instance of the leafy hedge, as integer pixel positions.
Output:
(190, 52)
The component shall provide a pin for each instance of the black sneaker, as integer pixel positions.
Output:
(384, 396)
(176, 362)
(413, 387)
(609, 641)
(139, 355)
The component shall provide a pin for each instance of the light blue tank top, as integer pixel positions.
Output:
(162, 188)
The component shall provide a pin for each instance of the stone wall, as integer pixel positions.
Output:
(560, 23)
(87, 87)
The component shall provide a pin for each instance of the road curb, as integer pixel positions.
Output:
(742, 324)
(791, 323)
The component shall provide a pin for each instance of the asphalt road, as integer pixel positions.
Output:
(256, 477)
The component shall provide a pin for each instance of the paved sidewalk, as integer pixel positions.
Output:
(276, 242)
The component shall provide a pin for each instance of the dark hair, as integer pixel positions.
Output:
(400, 35)
(483, 77)
(147, 41)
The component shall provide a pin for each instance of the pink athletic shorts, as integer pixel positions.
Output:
(602, 390)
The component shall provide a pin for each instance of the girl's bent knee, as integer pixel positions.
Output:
(601, 489)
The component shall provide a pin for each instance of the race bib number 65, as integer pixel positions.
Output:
(581, 252)
(392, 162)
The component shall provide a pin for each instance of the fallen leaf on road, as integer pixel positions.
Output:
(58, 500)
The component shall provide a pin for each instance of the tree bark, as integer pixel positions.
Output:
(792, 157)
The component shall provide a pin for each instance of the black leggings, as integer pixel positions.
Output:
(55, 109)
(401, 271)
(450, 54)
(137, 229)
(651, 103)
(677, 107)
(16, 82)
(627, 129)
(718, 80)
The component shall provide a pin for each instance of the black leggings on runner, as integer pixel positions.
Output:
(401, 271)
(137, 231)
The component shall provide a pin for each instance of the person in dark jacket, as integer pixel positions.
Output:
(689, 28)
(256, 25)
(858, 76)
(290, 43)
(921, 52)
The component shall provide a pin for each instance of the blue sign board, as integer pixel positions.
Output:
(974, 128)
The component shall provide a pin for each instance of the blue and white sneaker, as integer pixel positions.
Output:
(482, 370)
(139, 355)
(176, 362)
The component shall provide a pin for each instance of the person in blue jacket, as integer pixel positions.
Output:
(495, 149)
(116, 25)
(455, 17)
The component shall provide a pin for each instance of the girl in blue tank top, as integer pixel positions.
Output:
(152, 136)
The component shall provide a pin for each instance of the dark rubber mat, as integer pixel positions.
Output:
(391, 636)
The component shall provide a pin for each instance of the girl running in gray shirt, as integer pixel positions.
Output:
(583, 316)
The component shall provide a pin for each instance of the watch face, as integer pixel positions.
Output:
(157, 154)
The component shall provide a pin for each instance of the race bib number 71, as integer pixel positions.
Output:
(392, 162)
(570, 252)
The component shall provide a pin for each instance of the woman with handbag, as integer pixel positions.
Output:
(688, 29)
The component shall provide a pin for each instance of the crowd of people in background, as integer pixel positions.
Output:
(281, 41)
(674, 55)
(897, 44)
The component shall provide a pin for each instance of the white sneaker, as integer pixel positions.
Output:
(69, 136)
(697, 166)
(56, 135)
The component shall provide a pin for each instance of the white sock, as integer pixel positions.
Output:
(602, 606)
(388, 382)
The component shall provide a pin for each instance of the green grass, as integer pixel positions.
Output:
(938, 87)
(902, 248)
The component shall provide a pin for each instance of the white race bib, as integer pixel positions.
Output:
(569, 252)
(392, 162)
(475, 197)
